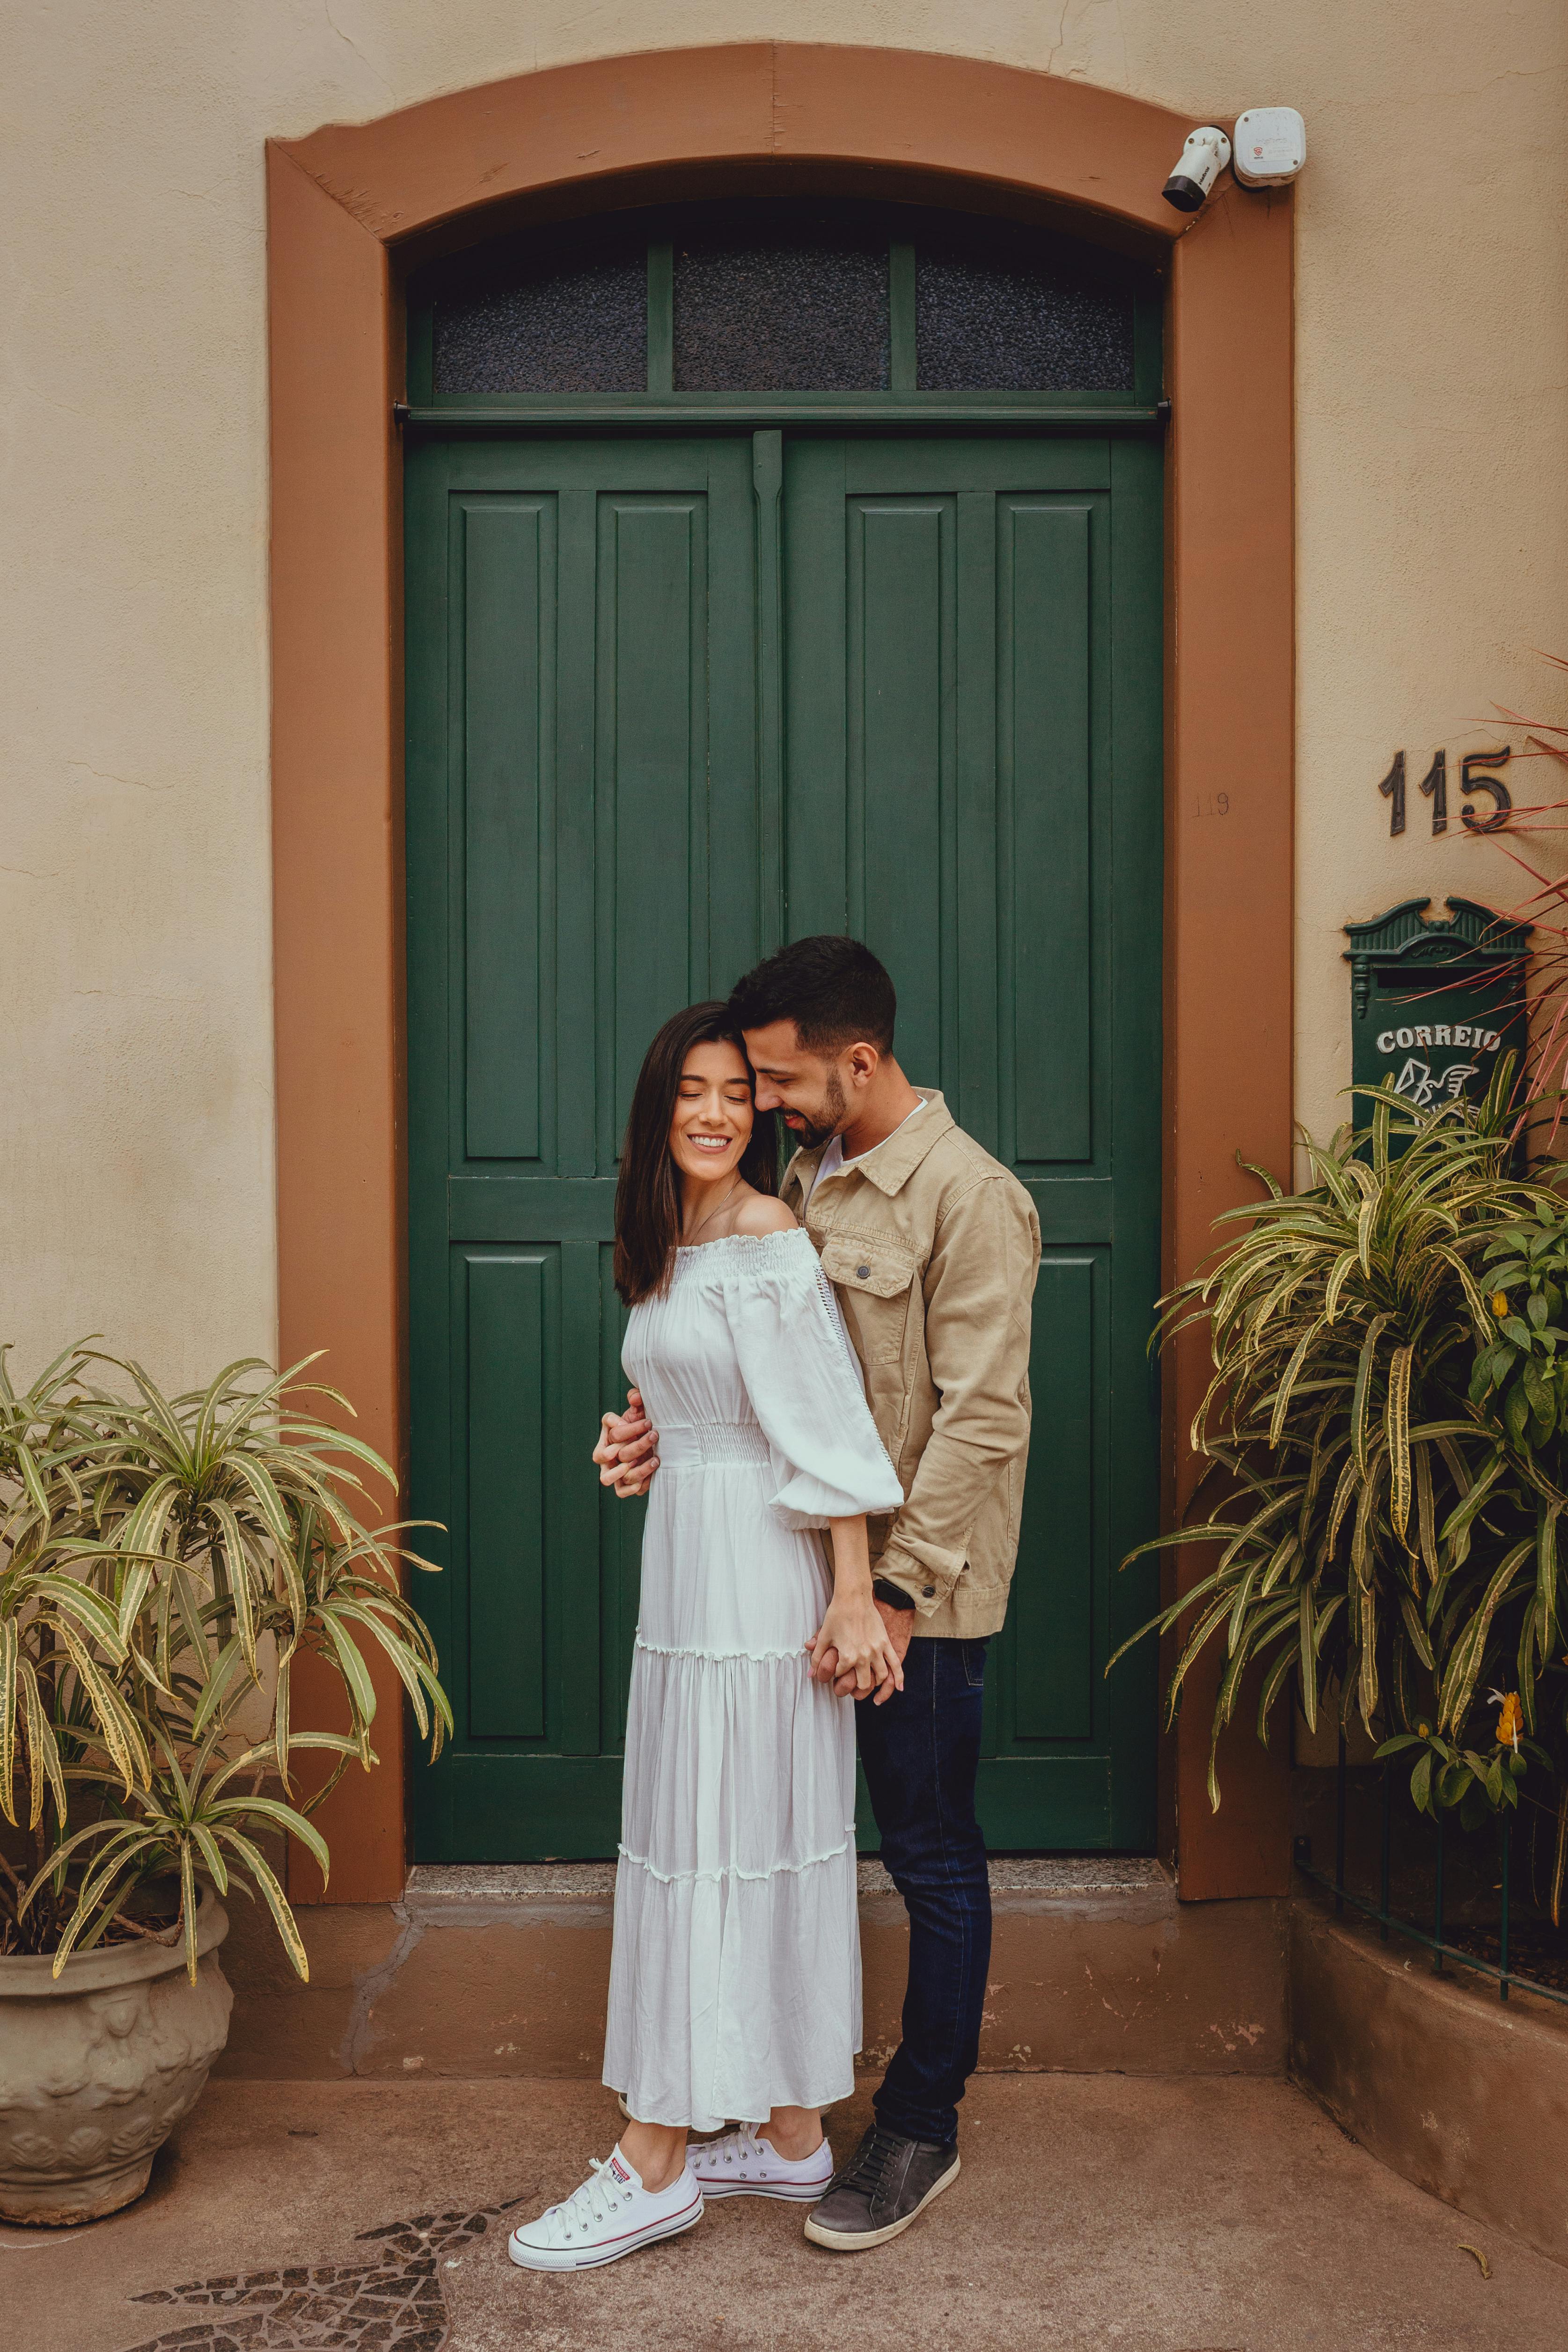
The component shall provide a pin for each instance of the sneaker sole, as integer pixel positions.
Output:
(855, 2242)
(814, 2195)
(560, 2258)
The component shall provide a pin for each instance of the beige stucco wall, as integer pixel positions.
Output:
(135, 1059)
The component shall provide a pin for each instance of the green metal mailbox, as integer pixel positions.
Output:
(1434, 1004)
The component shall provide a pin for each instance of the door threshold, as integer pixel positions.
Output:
(439, 1890)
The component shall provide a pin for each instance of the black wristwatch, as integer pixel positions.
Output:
(893, 1595)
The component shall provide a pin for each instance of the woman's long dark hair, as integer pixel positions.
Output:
(647, 1197)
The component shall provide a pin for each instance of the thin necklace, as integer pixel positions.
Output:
(713, 1212)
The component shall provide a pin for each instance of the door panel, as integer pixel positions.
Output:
(966, 652)
(1043, 736)
(508, 561)
(508, 1367)
(652, 671)
(581, 829)
(968, 728)
(1053, 1606)
(901, 799)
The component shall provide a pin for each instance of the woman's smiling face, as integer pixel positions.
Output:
(713, 1114)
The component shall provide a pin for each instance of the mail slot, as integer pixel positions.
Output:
(1435, 1006)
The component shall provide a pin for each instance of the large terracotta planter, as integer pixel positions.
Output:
(97, 2068)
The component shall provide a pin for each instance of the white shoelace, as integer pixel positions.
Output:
(739, 2147)
(591, 2206)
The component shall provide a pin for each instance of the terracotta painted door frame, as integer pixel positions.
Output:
(340, 202)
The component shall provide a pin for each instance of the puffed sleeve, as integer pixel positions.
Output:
(805, 1385)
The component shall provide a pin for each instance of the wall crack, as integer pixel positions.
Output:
(359, 2036)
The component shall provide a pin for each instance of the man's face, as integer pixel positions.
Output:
(806, 1087)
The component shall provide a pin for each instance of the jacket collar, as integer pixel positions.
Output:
(890, 1164)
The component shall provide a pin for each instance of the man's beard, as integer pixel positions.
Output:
(834, 1105)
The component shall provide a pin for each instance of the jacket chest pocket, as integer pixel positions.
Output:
(876, 1278)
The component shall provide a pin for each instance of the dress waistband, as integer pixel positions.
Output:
(711, 1445)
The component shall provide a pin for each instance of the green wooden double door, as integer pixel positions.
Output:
(671, 701)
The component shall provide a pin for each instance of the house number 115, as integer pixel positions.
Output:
(1435, 785)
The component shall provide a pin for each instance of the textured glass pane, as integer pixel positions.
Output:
(995, 311)
(781, 298)
(553, 310)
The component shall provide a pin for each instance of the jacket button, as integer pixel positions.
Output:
(862, 1274)
(928, 1592)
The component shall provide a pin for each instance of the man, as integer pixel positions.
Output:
(932, 1248)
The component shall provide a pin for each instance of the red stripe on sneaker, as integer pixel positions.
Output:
(695, 2207)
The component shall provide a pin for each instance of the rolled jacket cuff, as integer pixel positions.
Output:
(927, 1583)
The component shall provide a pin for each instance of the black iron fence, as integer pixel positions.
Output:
(1395, 1866)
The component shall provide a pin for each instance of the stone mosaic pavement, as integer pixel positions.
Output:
(392, 2303)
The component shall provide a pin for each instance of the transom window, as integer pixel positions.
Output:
(780, 296)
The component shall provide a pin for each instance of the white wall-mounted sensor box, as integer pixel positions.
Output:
(1269, 146)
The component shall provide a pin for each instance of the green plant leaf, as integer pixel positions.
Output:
(1421, 1783)
(257, 1865)
(1397, 1416)
(1375, 1329)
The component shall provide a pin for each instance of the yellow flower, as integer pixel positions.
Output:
(1425, 1730)
(1511, 1718)
(1499, 1304)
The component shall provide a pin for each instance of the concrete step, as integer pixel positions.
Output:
(484, 1970)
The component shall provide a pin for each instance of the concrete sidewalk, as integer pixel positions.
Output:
(1183, 2214)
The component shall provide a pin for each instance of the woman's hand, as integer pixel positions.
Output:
(628, 1451)
(853, 1650)
(901, 1625)
(854, 1642)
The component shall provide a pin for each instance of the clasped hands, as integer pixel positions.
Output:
(860, 1656)
(860, 1647)
(628, 1451)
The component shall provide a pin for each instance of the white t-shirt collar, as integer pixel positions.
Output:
(833, 1162)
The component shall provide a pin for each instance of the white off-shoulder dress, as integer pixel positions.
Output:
(735, 1978)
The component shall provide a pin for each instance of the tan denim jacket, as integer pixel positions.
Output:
(934, 1247)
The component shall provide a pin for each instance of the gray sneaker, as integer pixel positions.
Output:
(886, 2183)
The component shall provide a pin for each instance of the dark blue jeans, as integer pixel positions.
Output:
(920, 1752)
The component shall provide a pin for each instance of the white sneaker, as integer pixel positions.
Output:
(611, 2215)
(738, 2164)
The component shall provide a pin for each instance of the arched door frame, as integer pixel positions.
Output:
(345, 205)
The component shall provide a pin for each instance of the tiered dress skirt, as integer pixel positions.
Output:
(735, 1980)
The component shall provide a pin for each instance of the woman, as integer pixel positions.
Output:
(735, 1978)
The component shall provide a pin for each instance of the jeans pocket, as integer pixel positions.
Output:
(975, 1664)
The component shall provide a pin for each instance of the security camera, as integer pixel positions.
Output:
(1202, 160)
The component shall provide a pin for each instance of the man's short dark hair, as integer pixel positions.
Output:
(833, 989)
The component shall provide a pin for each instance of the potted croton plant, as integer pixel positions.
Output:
(163, 1562)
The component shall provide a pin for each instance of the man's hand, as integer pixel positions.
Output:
(628, 1451)
(834, 1653)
